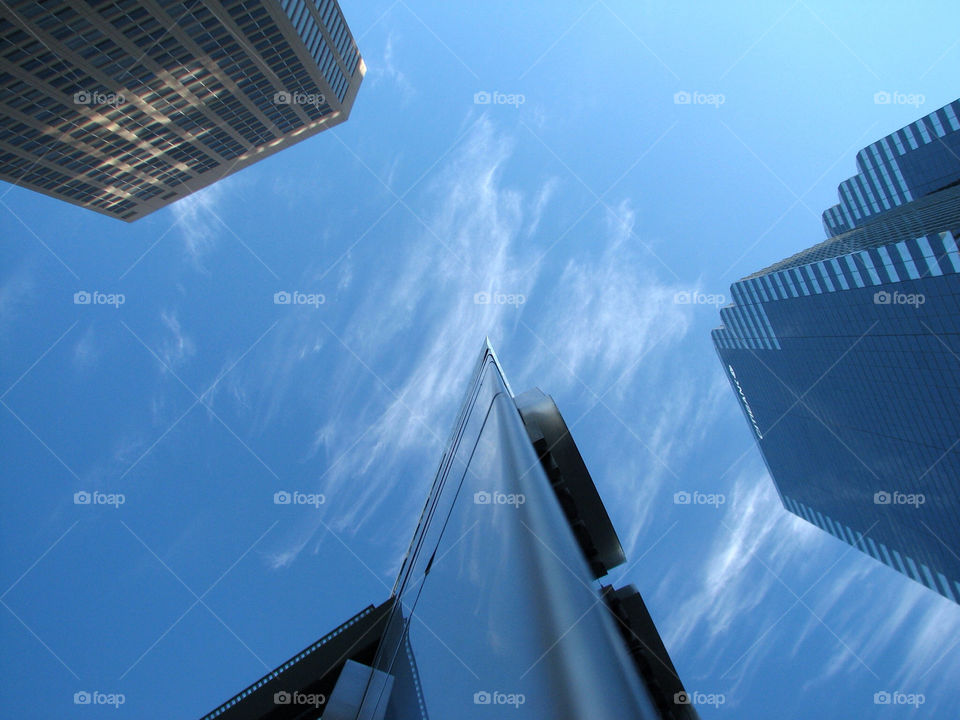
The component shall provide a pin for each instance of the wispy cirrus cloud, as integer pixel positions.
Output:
(606, 312)
(386, 68)
(644, 471)
(176, 345)
(756, 526)
(611, 332)
(85, 350)
(196, 222)
(15, 290)
(463, 243)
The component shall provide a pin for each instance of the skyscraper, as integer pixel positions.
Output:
(845, 358)
(124, 107)
(495, 603)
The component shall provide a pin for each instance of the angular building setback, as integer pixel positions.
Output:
(496, 607)
(124, 106)
(846, 358)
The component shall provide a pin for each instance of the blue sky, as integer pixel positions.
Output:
(595, 201)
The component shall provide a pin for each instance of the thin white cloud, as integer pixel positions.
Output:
(85, 350)
(176, 346)
(682, 413)
(15, 291)
(609, 321)
(726, 592)
(196, 223)
(540, 202)
(606, 314)
(387, 68)
(475, 220)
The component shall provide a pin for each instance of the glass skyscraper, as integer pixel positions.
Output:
(123, 107)
(845, 358)
(497, 606)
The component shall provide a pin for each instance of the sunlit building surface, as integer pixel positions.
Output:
(497, 607)
(123, 106)
(845, 358)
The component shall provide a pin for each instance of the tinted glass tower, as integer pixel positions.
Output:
(846, 358)
(124, 106)
(496, 607)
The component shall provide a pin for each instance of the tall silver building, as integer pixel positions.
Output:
(124, 106)
(497, 606)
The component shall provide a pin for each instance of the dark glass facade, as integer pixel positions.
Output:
(123, 107)
(912, 162)
(845, 359)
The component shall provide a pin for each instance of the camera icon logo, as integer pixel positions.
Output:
(81, 498)
(282, 98)
(82, 98)
(281, 298)
(282, 698)
(482, 498)
(881, 698)
(481, 697)
(881, 498)
(81, 698)
(81, 297)
(681, 498)
(481, 98)
(281, 497)
(481, 298)
(681, 97)
(681, 698)
(881, 298)
(881, 98)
